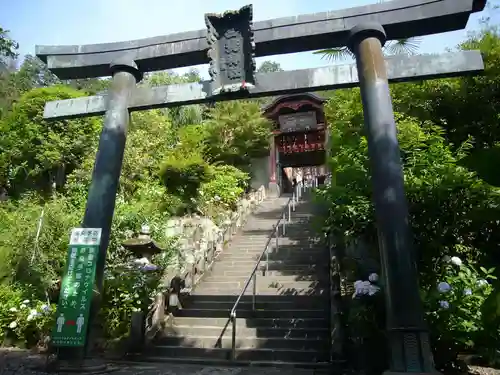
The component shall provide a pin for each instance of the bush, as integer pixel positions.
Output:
(222, 192)
(453, 306)
(33, 151)
(23, 322)
(451, 211)
(236, 133)
(25, 260)
(183, 176)
(128, 288)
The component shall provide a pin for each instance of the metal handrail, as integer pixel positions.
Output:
(290, 206)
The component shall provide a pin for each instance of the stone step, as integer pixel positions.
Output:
(221, 268)
(322, 303)
(242, 354)
(246, 342)
(209, 331)
(306, 274)
(249, 314)
(262, 283)
(283, 279)
(281, 302)
(264, 280)
(283, 253)
(275, 263)
(259, 243)
(258, 323)
(270, 292)
(293, 259)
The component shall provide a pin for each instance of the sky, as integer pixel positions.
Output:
(51, 22)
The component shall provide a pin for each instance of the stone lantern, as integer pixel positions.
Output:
(142, 246)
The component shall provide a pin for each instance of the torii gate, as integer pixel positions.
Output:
(232, 41)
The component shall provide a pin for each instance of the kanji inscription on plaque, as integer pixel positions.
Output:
(231, 52)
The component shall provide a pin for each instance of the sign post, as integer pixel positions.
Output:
(77, 286)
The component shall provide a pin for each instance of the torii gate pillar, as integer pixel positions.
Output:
(407, 333)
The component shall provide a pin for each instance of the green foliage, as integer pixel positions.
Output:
(489, 340)
(448, 102)
(447, 131)
(23, 322)
(225, 187)
(443, 197)
(183, 176)
(269, 66)
(453, 304)
(45, 174)
(237, 132)
(8, 47)
(32, 74)
(34, 151)
(26, 259)
(91, 86)
(127, 289)
(180, 116)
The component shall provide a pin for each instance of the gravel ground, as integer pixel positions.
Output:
(22, 362)
(478, 370)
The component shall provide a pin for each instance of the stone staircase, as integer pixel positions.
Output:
(290, 324)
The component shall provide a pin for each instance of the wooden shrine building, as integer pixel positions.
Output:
(298, 146)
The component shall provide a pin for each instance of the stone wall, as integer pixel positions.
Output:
(259, 172)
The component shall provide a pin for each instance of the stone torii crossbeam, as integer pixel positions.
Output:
(230, 43)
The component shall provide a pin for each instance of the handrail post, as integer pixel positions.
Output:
(283, 224)
(277, 239)
(267, 260)
(289, 213)
(233, 337)
(294, 198)
(254, 292)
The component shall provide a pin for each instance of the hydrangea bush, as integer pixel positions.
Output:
(24, 322)
(129, 287)
(453, 308)
(366, 320)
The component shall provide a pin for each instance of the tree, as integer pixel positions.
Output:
(406, 46)
(91, 86)
(237, 132)
(180, 116)
(8, 47)
(269, 66)
(34, 73)
(36, 153)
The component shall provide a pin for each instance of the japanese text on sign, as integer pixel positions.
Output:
(77, 288)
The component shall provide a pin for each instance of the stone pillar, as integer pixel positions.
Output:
(407, 332)
(106, 174)
(273, 190)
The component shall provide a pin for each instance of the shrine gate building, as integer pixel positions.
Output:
(298, 145)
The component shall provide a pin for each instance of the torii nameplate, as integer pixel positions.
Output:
(230, 38)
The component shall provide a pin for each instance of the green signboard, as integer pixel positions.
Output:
(77, 288)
